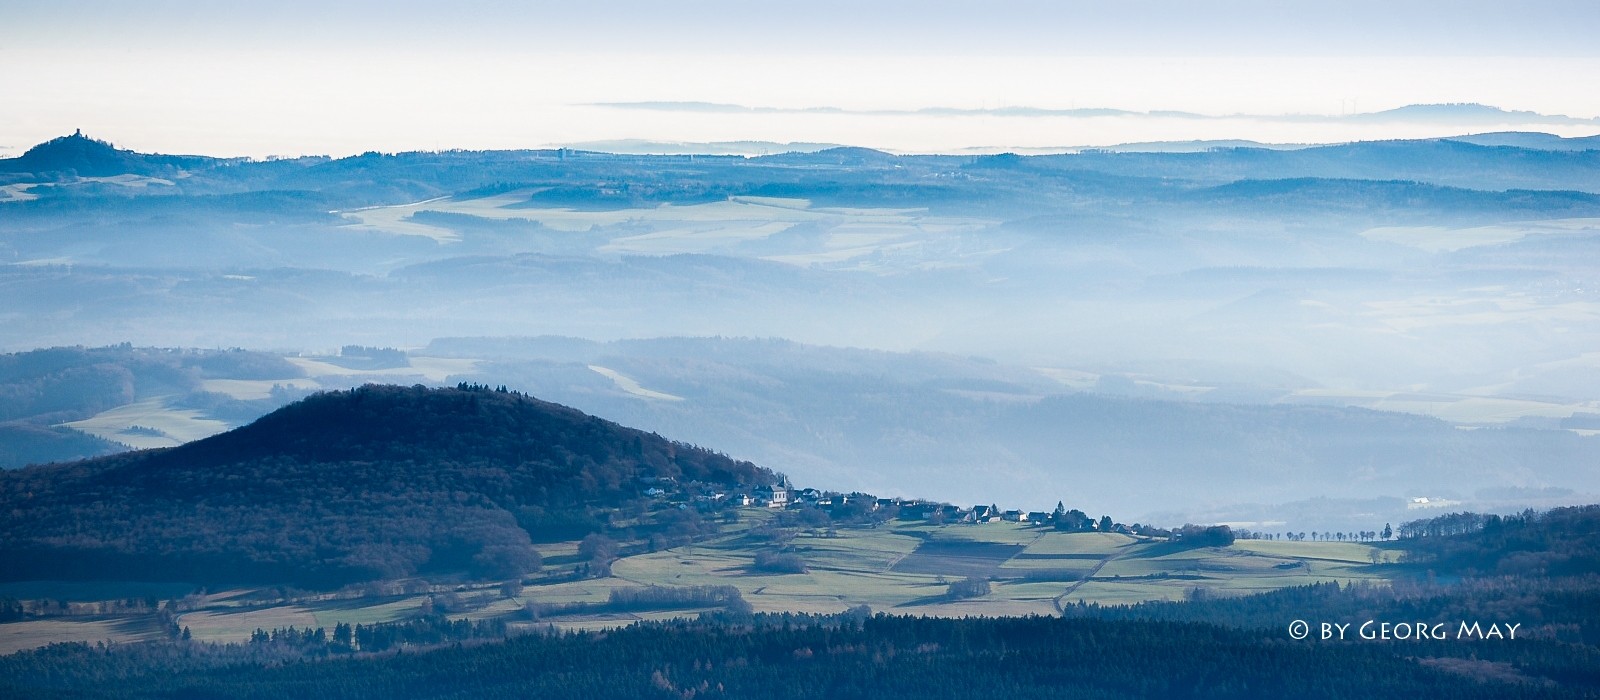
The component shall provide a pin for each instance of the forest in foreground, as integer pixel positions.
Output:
(787, 656)
(1477, 572)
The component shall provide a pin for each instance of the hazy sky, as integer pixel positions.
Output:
(330, 77)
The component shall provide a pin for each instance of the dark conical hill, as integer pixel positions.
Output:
(375, 482)
(391, 424)
(88, 157)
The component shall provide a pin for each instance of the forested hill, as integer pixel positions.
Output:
(86, 157)
(374, 482)
(578, 455)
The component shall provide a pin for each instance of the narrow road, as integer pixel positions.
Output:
(1079, 583)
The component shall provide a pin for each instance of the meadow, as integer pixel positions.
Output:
(148, 424)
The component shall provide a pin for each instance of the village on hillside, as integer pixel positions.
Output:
(865, 508)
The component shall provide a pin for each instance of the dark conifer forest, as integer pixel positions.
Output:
(788, 656)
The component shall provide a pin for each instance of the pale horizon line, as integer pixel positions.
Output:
(1466, 112)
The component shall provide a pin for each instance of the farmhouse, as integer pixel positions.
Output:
(985, 514)
(917, 511)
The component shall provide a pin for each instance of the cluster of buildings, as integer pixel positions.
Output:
(784, 496)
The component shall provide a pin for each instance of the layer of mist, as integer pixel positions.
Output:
(1132, 331)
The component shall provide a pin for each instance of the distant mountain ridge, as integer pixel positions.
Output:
(1454, 112)
(1460, 112)
(1204, 160)
(1532, 140)
(844, 156)
(714, 148)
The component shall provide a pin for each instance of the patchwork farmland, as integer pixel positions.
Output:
(897, 566)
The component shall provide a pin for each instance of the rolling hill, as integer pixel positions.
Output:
(376, 482)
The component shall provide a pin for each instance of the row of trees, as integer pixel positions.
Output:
(1325, 536)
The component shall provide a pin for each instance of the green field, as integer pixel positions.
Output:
(29, 634)
(131, 424)
(1079, 544)
(224, 626)
(1351, 552)
(358, 612)
(905, 568)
